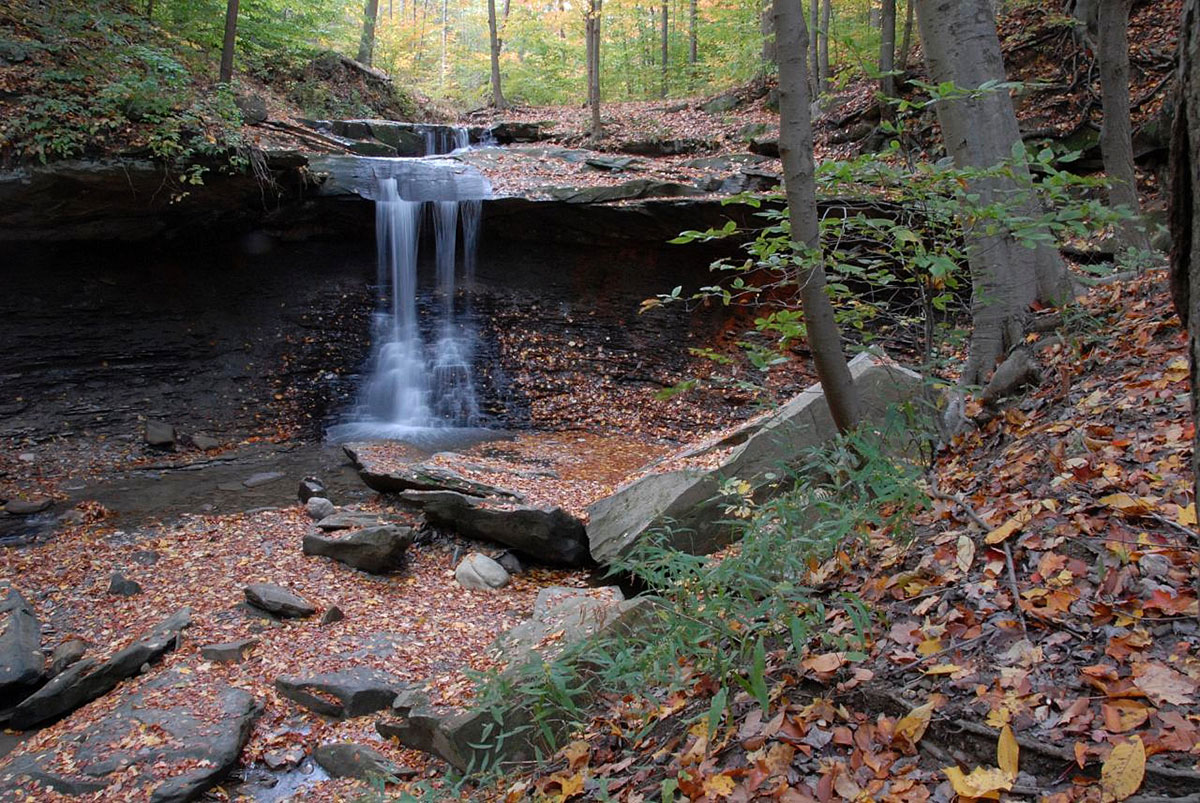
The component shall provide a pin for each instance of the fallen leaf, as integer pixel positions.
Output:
(719, 785)
(911, 727)
(1162, 684)
(1123, 770)
(1124, 715)
(1009, 527)
(1008, 751)
(966, 553)
(943, 669)
(985, 782)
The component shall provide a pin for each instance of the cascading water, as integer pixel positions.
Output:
(418, 390)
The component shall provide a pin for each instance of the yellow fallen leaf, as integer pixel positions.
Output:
(719, 785)
(1177, 370)
(577, 753)
(1009, 527)
(1008, 751)
(966, 553)
(943, 669)
(1129, 505)
(985, 782)
(1187, 515)
(1123, 770)
(911, 728)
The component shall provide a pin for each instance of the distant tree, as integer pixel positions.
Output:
(887, 51)
(494, 38)
(665, 49)
(962, 49)
(231, 17)
(693, 36)
(592, 19)
(1185, 205)
(906, 44)
(366, 44)
(1116, 134)
(796, 151)
(823, 53)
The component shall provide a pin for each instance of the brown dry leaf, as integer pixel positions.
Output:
(911, 727)
(719, 785)
(965, 555)
(1009, 527)
(1129, 505)
(985, 782)
(1124, 715)
(1008, 752)
(1123, 770)
(1162, 684)
(576, 754)
(943, 669)
(1187, 515)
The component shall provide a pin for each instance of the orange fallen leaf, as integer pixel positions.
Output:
(1009, 527)
(1124, 715)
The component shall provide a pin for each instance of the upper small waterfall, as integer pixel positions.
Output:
(421, 377)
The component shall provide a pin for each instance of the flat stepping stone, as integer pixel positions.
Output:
(377, 550)
(349, 760)
(262, 478)
(27, 507)
(348, 520)
(342, 695)
(228, 651)
(278, 600)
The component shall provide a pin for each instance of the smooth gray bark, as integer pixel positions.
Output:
(814, 49)
(887, 50)
(1185, 204)
(906, 45)
(693, 35)
(823, 53)
(1116, 135)
(498, 100)
(366, 43)
(231, 15)
(592, 33)
(961, 48)
(666, 49)
(796, 151)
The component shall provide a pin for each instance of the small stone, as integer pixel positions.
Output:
(65, 654)
(334, 614)
(346, 760)
(27, 507)
(204, 442)
(511, 563)
(145, 557)
(319, 508)
(479, 572)
(122, 586)
(229, 651)
(27, 457)
(160, 435)
(262, 478)
(252, 107)
(310, 487)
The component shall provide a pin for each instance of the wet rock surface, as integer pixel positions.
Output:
(22, 665)
(377, 550)
(278, 601)
(348, 693)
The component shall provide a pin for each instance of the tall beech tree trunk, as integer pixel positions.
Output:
(796, 151)
(366, 44)
(498, 100)
(1116, 135)
(231, 15)
(592, 35)
(887, 53)
(823, 60)
(814, 30)
(906, 45)
(961, 48)
(766, 26)
(693, 36)
(665, 49)
(1185, 205)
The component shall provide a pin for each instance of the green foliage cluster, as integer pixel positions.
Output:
(106, 81)
(720, 618)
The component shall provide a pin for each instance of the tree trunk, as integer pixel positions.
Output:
(814, 28)
(906, 45)
(823, 61)
(1185, 207)
(766, 24)
(665, 49)
(592, 34)
(796, 151)
(150, 10)
(887, 53)
(498, 100)
(231, 15)
(961, 48)
(366, 45)
(693, 36)
(1116, 135)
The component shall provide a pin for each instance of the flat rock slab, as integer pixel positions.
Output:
(262, 478)
(349, 760)
(228, 651)
(355, 692)
(88, 679)
(22, 665)
(278, 601)
(548, 535)
(201, 735)
(377, 550)
(27, 507)
(420, 477)
(348, 520)
(686, 506)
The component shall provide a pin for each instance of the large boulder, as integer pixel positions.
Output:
(88, 679)
(685, 505)
(201, 732)
(548, 535)
(278, 601)
(377, 550)
(344, 694)
(22, 665)
(349, 760)
(478, 572)
(420, 477)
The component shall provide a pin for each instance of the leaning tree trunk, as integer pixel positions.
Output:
(1116, 135)
(498, 100)
(906, 45)
(366, 44)
(1185, 206)
(796, 151)
(962, 48)
(887, 54)
(231, 15)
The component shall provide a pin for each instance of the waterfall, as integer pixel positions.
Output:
(420, 379)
